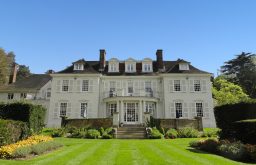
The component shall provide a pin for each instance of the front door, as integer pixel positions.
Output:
(131, 113)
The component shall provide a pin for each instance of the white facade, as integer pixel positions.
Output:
(129, 89)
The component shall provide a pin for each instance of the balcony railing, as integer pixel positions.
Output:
(137, 93)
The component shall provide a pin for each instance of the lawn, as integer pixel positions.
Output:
(84, 151)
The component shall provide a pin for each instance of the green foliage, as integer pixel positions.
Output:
(12, 131)
(23, 72)
(242, 71)
(32, 114)
(40, 148)
(155, 134)
(188, 132)
(236, 150)
(58, 132)
(245, 131)
(211, 132)
(22, 152)
(227, 115)
(172, 133)
(93, 134)
(225, 92)
(3, 68)
(208, 145)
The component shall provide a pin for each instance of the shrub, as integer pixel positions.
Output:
(208, 145)
(236, 151)
(22, 152)
(188, 133)
(8, 150)
(59, 132)
(45, 146)
(246, 128)
(32, 114)
(12, 131)
(172, 133)
(251, 150)
(210, 132)
(155, 134)
(239, 111)
(93, 134)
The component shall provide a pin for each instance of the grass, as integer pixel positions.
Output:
(106, 152)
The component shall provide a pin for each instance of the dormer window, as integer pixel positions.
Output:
(147, 65)
(130, 65)
(113, 65)
(183, 65)
(78, 66)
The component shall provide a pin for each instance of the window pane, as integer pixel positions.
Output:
(63, 109)
(178, 107)
(177, 85)
(199, 109)
(83, 109)
(85, 85)
(65, 85)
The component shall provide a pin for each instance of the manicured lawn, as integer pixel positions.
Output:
(84, 151)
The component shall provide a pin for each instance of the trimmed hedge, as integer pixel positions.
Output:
(227, 115)
(245, 131)
(12, 131)
(32, 114)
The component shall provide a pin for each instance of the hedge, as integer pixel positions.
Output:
(32, 114)
(245, 131)
(227, 116)
(12, 131)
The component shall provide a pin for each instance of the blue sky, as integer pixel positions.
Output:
(51, 34)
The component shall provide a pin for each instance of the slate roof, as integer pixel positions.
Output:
(92, 67)
(29, 84)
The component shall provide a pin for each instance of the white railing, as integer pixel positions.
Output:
(137, 93)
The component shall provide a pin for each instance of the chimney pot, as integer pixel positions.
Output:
(102, 59)
(159, 60)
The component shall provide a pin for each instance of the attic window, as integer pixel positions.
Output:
(183, 66)
(78, 66)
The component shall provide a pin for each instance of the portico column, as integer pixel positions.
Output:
(141, 112)
(122, 112)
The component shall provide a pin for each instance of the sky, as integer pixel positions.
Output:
(51, 34)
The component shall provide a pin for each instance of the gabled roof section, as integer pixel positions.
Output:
(89, 67)
(29, 84)
(81, 61)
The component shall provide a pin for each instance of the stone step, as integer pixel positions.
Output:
(131, 132)
(130, 136)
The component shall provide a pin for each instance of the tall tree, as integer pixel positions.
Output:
(3, 68)
(23, 72)
(242, 71)
(225, 92)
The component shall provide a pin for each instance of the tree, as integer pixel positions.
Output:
(242, 71)
(3, 68)
(225, 92)
(23, 72)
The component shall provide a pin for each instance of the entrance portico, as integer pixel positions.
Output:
(130, 110)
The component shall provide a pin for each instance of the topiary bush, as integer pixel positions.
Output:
(210, 132)
(12, 131)
(225, 121)
(32, 114)
(172, 133)
(188, 133)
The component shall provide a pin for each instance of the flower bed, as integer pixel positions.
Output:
(9, 150)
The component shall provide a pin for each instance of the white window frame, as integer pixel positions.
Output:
(10, 96)
(113, 67)
(150, 107)
(131, 67)
(112, 107)
(178, 109)
(130, 88)
(23, 95)
(183, 66)
(48, 93)
(148, 86)
(83, 109)
(63, 109)
(199, 109)
(147, 67)
(78, 66)
(174, 86)
(197, 86)
(85, 85)
(65, 86)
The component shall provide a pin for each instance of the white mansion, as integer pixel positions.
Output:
(129, 88)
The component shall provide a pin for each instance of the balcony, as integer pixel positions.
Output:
(135, 93)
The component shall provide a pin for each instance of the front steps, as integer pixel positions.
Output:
(131, 132)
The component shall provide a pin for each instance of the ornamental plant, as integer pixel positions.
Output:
(8, 150)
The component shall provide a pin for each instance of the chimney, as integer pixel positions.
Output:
(13, 75)
(159, 60)
(102, 59)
